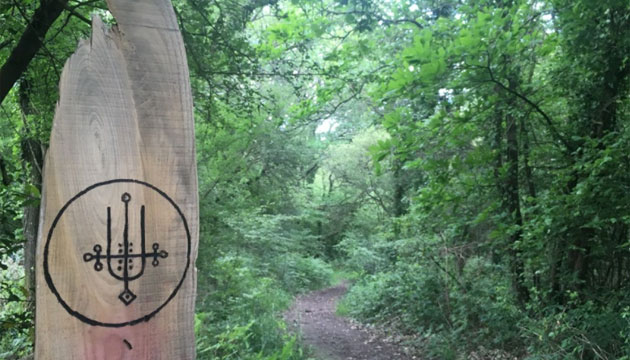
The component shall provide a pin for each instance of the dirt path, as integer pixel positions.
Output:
(333, 337)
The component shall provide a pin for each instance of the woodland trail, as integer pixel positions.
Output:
(333, 337)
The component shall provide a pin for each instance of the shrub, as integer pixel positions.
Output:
(363, 253)
(237, 318)
(16, 321)
(580, 330)
(298, 274)
(454, 313)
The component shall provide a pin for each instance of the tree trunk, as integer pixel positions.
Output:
(529, 179)
(497, 146)
(514, 210)
(31, 41)
(3, 172)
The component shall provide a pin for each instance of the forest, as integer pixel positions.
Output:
(463, 165)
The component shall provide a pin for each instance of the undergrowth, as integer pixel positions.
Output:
(459, 313)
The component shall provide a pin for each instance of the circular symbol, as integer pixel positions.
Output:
(128, 234)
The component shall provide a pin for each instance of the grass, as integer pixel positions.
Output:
(339, 275)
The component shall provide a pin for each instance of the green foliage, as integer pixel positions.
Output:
(238, 319)
(500, 108)
(16, 326)
(302, 273)
(234, 343)
(363, 253)
(452, 316)
(249, 282)
(465, 161)
(586, 330)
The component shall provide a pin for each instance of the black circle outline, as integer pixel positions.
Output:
(49, 280)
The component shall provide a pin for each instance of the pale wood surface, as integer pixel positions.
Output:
(125, 112)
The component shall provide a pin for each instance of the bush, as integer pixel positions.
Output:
(252, 266)
(410, 297)
(454, 313)
(238, 314)
(235, 343)
(299, 274)
(16, 321)
(363, 253)
(580, 331)
(237, 318)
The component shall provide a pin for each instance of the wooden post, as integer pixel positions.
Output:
(119, 227)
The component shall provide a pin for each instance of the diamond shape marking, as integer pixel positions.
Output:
(127, 297)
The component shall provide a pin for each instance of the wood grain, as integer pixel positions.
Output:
(125, 112)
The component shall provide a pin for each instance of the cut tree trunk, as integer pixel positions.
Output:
(119, 222)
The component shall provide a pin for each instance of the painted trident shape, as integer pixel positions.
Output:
(125, 256)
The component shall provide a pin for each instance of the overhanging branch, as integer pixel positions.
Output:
(31, 41)
(556, 134)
